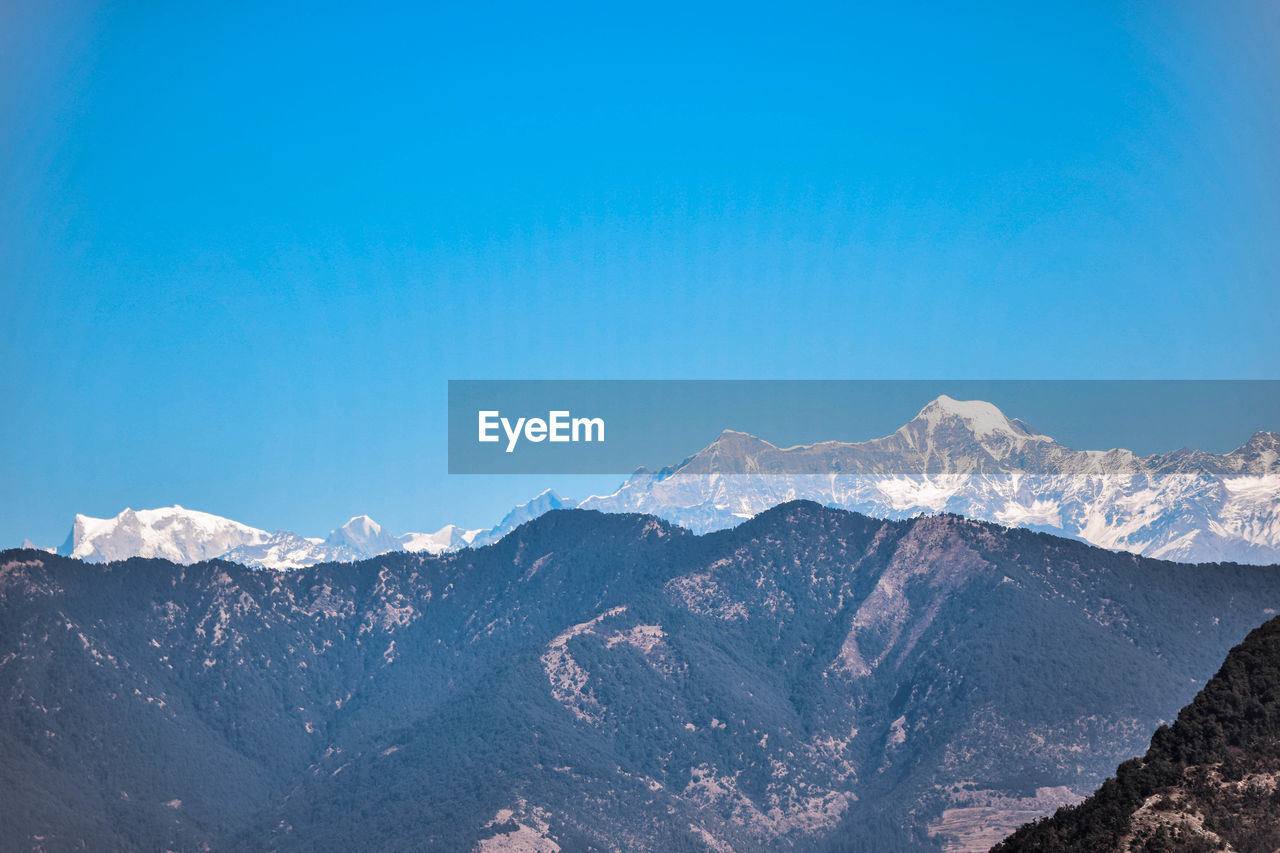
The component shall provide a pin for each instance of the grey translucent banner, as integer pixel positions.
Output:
(853, 427)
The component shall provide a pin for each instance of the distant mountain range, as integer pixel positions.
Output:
(812, 679)
(189, 536)
(962, 457)
(969, 458)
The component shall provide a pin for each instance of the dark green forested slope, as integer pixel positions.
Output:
(812, 680)
(1208, 782)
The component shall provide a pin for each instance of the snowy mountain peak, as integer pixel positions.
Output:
(188, 536)
(451, 537)
(969, 458)
(542, 504)
(1260, 455)
(362, 524)
(1262, 441)
(174, 533)
(727, 453)
(964, 456)
(363, 535)
(734, 439)
(979, 417)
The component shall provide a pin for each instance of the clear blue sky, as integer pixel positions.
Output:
(241, 251)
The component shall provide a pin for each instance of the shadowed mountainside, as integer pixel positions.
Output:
(812, 679)
(1209, 782)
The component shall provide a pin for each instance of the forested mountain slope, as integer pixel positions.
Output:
(812, 679)
(1210, 781)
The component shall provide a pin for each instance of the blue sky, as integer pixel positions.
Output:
(241, 251)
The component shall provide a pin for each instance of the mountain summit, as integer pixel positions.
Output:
(981, 418)
(363, 536)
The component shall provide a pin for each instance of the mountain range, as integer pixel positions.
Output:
(968, 458)
(964, 457)
(811, 679)
(188, 536)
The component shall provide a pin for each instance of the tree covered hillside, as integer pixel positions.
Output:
(1210, 781)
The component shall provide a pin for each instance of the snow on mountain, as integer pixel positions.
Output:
(967, 457)
(362, 538)
(451, 537)
(363, 535)
(540, 505)
(174, 533)
(188, 536)
(981, 419)
(282, 550)
(358, 539)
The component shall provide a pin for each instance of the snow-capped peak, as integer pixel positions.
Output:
(736, 440)
(362, 525)
(451, 537)
(543, 503)
(981, 418)
(364, 535)
(174, 533)
(359, 539)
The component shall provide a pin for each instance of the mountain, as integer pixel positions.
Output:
(451, 537)
(812, 679)
(358, 539)
(281, 550)
(364, 537)
(1207, 783)
(542, 504)
(964, 457)
(170, 533)
(970, 459)
(187, 536)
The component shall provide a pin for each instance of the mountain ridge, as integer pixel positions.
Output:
(597, 679)
(969, 458)
(965, 457)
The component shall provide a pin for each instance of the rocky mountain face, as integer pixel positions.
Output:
(1209, 782)
(969, 458)
(813, 679)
